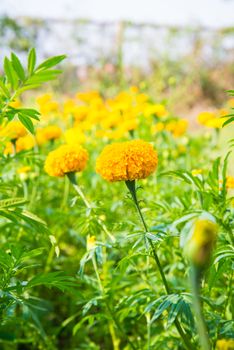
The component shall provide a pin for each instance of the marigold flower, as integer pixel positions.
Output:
(127, 161)
(204, 117)
(66, 159)
(48, 133)
(225, 344)
(230, 182)
(13, 130)
(25, 143)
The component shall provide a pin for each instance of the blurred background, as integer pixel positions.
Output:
(171, 48)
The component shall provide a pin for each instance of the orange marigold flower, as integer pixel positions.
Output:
(127, 161)
(66, 159)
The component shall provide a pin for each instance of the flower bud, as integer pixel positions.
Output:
(201, 240)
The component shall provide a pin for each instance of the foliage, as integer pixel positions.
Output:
(77, 265)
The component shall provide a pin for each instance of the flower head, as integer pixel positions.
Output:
(48, 133)
(66, 159)
(127, 161)
(13, 130)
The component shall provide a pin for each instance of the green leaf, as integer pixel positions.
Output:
(10, 73)
(31, 61)
(26, 121)
(229, 121)
(50, 62)
(4, 89)
(18, 67)
(12, 202)
(52, 279)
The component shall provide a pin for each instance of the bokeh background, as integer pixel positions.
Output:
(178, 49)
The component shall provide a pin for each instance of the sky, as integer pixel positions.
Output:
(210, 13)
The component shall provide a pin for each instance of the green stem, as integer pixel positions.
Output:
(72, 178)
(200, 321)
(132, 188)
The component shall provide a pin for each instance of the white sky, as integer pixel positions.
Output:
(214, 13)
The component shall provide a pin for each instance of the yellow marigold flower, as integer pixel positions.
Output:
(204, 117)
(155, 109)
(123, 161)
(196, 172)
(48, 133)
(66, 159)
(230, 182)
(42, 99)
(74, 135)
(134, 89)
(13, 130)
(216, 123)
(87, 96)
(157, 127)
(25, 143)
(201, 240)
(225, 344)
(180, 127)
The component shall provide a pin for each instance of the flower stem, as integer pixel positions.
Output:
(131, 185)
(72, 179)
(200, 321)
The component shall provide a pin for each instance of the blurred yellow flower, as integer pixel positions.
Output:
(48, 133)
(74, 135)
(25, 143)
(225, 344)
(204, 117)
(230, 182)
(66, 159)
(13, 130)
(129, 160)
(24, 169)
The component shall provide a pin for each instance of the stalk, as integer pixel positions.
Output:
(131, 185)
(72, 179)
(196, 274)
